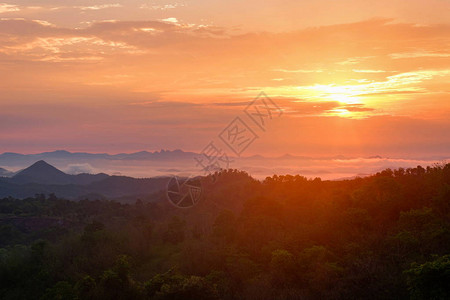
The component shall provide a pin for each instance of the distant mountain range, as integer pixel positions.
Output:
(145, 164)
(10, 158)
(43, 178)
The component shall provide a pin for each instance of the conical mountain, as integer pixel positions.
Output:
(42, 172)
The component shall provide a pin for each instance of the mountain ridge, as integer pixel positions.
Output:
(43, 178)
(178, 153)
(42, 172)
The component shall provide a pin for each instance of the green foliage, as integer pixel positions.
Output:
(283, 268)
(86, 288)
(430, 280)
(287, 237)
(188, 288)
(225, 225)
(175, 230)
(62, 290)
(175, 286)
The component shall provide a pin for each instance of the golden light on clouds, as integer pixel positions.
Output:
(355, 64)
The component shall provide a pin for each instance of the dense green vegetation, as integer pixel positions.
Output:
(382, 237)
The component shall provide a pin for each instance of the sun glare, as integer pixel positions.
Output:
(343, 94)
(341, 112)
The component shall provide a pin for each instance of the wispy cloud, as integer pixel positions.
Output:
(170, 20)
(162, 6)
(197, 76)
(98, 7)
(368, 71)
(5, 7)
(298, 71)
(418, 54)
(354, 60)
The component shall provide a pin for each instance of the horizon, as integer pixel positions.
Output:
(259, 167)
(43, 162)
(280, 155)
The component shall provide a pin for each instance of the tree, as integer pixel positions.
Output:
(431, 280)
(175, 230)
(282, 268)
(225, 225)
(62, 290)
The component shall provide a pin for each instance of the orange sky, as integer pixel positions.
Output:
(352, 77)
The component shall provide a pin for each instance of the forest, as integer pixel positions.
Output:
(385, 236)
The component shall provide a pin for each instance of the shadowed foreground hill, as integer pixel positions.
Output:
(44, 173)
(43, 178)
(386, 236)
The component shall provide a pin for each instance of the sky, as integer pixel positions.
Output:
(355, 78)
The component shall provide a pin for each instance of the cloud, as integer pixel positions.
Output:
(98, 7)
(170, 20)
(214, 60)
(75, 169)
(162, 7)
(298, 71)
(356, 108)
(353, 60)
(5, 8)
(368, 71)
(182, 77)
(418, 54)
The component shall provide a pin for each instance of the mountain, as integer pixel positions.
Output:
(43, 178)
(84, 178)
(122, 186)
(9, 157)
(41, 172)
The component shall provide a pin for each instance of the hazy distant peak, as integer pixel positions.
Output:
(60, 151)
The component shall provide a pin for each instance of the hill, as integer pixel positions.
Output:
(384, 236)
(43, 178)
(41, 172)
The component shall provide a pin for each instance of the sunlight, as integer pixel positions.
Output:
(344, 94)
(340, 112)
(215, 150)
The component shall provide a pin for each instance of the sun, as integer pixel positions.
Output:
(346, 94)
(340, 112)
(348, 100)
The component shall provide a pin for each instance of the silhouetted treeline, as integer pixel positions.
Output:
(386, 236)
